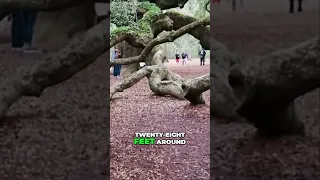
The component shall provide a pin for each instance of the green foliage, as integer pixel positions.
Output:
(152, 11)
(123, 12)
(202, 12)
(126, 21)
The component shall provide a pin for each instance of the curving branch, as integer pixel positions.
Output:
(77, 55)
(267, 94)
(262, 90)
(201, 33)
(169, 37)
(195, 87)
(130, 81)
(162, 81)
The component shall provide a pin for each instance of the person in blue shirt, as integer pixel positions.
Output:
(117, 67)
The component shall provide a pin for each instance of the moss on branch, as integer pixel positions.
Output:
(142, 28)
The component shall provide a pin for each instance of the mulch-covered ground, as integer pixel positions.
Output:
(138, 110)
(235, 153)
(61, 135)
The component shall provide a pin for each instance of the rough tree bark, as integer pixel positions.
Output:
(268, 86)
(128, 51)
(264, 88)
(77, 55)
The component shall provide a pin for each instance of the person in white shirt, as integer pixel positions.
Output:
(184, 58)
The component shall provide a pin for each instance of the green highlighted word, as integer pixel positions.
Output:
(144, 141)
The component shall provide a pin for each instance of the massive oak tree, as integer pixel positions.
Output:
(260, 90)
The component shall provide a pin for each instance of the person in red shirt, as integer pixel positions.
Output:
(177, 57)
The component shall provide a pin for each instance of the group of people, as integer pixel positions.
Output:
(22, 30)
(184, 57)
(117, 67)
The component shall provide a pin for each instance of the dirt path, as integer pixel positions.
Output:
(235, 154)
(137, 109)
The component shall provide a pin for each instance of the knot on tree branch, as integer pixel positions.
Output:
(162, 24)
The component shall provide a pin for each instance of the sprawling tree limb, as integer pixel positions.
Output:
(201, 33)
(164, 82)
(153, 22)
(139, 35)
(222, 100)
(169, 37)
(161, 80)
(269, 85)
(130, 81)
(135, 39)
(132, 38)
(195, 87)
(77, 55)
(166, 21)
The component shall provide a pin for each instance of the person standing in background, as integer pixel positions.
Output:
(119, 65)
(291, 9)
(115, 67)
(202, 56)
(29, 19)
(177, 57)
(184, 58)
(22, 30)
(17, 31)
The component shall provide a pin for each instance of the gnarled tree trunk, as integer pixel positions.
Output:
(128, 51)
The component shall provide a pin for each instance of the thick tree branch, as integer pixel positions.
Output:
(268, 93)
(223, 103)
(169, 37)
(130, 81)
(201, 33)
(135, 39)
(195, 87)
(77, 55)
(164, 82)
